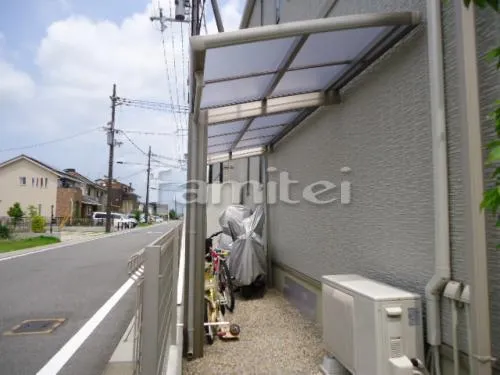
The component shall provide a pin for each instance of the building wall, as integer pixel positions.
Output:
(11, 191)
(382, 132)
(69, 201)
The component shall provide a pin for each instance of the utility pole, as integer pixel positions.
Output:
(146, 213)
(111, 143)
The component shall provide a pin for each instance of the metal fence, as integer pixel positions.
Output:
(156, 305)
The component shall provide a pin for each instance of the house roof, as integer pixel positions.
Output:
(84, 179)
(47, 167)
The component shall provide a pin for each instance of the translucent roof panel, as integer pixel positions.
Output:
(307, 80)
(222, 140)
(272, 120)
(254, 142)
(263, 132)
(254, 83)
(235, 91)
(246, 59)
(336, 46)
(227, 128)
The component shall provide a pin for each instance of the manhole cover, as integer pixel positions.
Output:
(35, 326)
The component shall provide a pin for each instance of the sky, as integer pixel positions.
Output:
(58, 62)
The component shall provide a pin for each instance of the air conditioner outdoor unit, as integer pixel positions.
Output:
(369, 327)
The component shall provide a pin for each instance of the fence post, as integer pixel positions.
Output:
(150, 311)
(174, 276)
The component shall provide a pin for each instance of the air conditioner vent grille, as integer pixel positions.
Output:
(396, 350)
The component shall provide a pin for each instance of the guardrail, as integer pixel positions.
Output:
(156, 320)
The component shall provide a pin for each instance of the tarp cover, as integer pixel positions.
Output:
(233, 214)
(247, 261)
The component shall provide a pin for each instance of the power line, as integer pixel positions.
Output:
(149, 133)
(166, 66)
(51, 141)
(131, 175)
(132, 142)
(157, 106)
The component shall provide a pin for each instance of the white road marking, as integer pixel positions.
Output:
(57, 362)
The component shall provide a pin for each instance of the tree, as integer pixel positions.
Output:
(16, 213)
(137, 215)
(32, 211)
(38, 224)
(172, 215)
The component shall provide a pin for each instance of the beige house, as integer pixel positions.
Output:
(30, 182)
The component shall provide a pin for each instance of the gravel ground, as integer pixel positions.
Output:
(275, 339)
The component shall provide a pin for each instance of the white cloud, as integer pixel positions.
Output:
(15, 85)
(78, 61)
(231, 11)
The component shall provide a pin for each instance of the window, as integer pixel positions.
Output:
(46, 181)
(88, 190)
(32, 181)
(22, 181)
(41, 182)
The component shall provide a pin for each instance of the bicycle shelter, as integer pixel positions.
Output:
(250, 88)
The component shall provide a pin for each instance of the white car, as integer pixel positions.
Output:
(121, 221)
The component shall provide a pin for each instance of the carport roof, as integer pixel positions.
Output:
(254, 85)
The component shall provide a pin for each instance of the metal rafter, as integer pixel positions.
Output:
(285, 64)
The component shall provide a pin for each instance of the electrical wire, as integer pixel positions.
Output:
(157, 106)
(140, 132)
(51, 141)
(131, 175)
(166, 67)
(175, 65)
(133, 143)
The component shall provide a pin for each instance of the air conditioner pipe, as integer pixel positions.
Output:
(442, 270)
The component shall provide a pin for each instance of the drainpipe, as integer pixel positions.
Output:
(192, 207)
(442, 271)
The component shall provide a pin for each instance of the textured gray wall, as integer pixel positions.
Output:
(382, 131)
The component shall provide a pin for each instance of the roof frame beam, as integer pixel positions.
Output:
(270, 106)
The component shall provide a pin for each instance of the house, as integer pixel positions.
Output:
(65, 193)
(28, 181)
(123, 198)
(389, 96)
(90, 195)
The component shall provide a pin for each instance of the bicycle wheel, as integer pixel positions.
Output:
(226, 285)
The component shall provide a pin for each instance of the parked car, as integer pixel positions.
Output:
(118, 220)
(132, 220)
(121, 221)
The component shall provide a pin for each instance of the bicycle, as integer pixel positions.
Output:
(220, 270)
(219, 295)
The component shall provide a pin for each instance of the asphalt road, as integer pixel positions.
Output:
(72, 282)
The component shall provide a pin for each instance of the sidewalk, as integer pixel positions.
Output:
(121, 362)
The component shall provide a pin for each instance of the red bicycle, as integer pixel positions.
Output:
(219, 269)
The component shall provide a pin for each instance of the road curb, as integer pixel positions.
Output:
(24, 252)
(122, 360)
